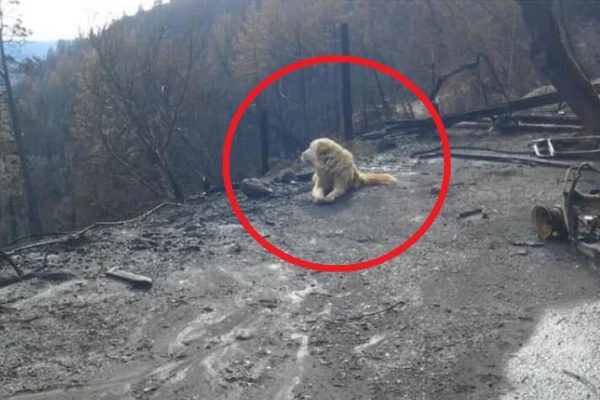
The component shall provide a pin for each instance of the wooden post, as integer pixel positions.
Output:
(346, 89)
(264, 140)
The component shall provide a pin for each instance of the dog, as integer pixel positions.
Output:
(335, 171)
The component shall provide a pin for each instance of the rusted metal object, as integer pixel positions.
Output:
(548, 222)
(578, 220)
(575, 147)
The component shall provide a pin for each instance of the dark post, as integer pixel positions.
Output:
(264, 140)
(346, 90)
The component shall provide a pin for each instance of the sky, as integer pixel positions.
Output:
(65, 19)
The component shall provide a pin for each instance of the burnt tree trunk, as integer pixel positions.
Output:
(33, 213)
(550, 57)
(167, 170)
(346, 90)
(264, 140)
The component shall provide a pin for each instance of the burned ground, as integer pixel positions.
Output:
(476, 309)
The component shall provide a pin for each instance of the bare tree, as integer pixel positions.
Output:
(144, 93)
(16, 31)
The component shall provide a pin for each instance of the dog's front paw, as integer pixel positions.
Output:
(328, 199)
(318, 199)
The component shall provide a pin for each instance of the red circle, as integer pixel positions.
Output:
(365, 62)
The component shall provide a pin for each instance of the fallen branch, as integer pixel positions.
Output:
(479, 124)
(477, 148)
(411, 126)
(520, 127)
(440, 82)
(452, 119)
(527, 123)
(78, 234)
(387, 131)
(387, 309)
(498, 157)
(34, 236)
(470, 213)
(582, 380)
(476, 66)
(549, 119)
(13, 264)
(527, 243)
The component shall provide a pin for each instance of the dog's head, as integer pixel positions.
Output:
(316, 150)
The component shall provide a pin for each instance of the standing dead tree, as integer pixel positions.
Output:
(17, 31)
(550, 57)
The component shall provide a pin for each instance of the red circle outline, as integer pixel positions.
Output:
(304, 63)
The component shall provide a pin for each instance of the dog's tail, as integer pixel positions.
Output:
(371, 178)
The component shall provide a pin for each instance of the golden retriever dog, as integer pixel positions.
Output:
(335, 171)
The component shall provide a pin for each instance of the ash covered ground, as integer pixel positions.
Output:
(466, 313)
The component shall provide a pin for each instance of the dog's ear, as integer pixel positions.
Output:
(322, 150)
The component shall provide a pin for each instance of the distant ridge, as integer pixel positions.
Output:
(29, 49)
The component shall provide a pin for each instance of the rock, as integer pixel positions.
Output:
(244, 335)
(385, 144)
(288, 177)
(254, 188)
(235, 248)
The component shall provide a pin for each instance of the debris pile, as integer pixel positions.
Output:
(578, 220)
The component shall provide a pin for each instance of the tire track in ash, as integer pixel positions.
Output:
(254, 338)
(242, 347)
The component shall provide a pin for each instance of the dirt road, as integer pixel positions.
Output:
(464, 314)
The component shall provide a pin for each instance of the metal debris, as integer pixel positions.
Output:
(548, 222)
(573, 147)
(578, 220)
